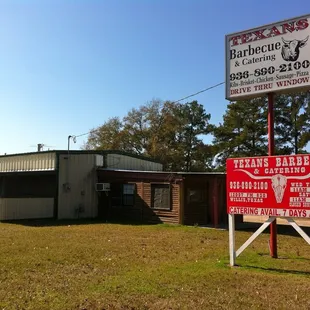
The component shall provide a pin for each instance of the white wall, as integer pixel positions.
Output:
(77, 197)
(26, 208)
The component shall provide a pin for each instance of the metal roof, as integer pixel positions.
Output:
(163, 172)
(76, 152)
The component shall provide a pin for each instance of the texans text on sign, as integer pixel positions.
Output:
(273, 186)
(271, 58)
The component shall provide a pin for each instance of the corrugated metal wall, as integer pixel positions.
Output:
(77, 197)
(28, 162)
(26, 208)
(117, 161)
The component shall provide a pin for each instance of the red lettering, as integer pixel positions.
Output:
(235, 40)
(246, 38)
(259, 34)
(240, 90)
(263, 86)
(297, 213)
(302, 24)
(293, 82)
(274, 31)
(288, 27)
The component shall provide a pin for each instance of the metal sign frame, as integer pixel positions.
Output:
(233, 253)
(289, 54)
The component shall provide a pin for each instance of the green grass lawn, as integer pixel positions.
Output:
(112, 266)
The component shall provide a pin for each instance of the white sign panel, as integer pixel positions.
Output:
(267, 59)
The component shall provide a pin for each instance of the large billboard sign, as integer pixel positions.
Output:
(272, 186)
(271, 58)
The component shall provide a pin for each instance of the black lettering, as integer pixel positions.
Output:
(232, 54)
(250, 51)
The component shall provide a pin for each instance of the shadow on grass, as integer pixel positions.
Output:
(277, 270)
(52, 222)
(281, 229)
(286, 230)
(246, 227)
(284, 257)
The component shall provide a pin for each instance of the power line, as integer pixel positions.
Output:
(199, 92)
(189, 96)
(86, 133)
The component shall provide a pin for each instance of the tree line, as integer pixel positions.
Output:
(174, 133)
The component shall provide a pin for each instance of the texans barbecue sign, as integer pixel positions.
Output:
(272, 186)
(271, 58)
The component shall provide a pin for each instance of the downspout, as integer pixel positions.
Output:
(67, 185)
(56, 198)
(181, 201)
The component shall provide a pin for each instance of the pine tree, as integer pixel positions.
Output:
(243, 131)
(292, 123)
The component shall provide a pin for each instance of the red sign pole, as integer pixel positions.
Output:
(273, 225)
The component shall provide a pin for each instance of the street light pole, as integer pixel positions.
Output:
(73, 139)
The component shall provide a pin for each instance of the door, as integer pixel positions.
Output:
(104, 203)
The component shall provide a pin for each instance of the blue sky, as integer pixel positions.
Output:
(68, 66)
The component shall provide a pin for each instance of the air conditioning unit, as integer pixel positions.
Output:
(103, 187)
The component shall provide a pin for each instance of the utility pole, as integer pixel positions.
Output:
(273, 225)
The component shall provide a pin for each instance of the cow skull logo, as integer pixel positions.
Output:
(278, 182)
(291, 49)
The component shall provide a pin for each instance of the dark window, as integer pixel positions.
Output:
(32, 185)
(1, 186)
(196, 195)
(160, 196)
(128, 194)
(122, 194)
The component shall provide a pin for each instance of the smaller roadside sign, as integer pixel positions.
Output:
(269, 185)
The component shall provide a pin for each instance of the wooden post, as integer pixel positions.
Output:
(181, 202)
(232, 252)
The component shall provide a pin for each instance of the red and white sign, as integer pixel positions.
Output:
(272, 186)
(269, 58)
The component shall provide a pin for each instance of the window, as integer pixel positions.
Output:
(160, 196)
(28, 185)
(122, 194)
(128, 189)
(196, 195)
(128, 194)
